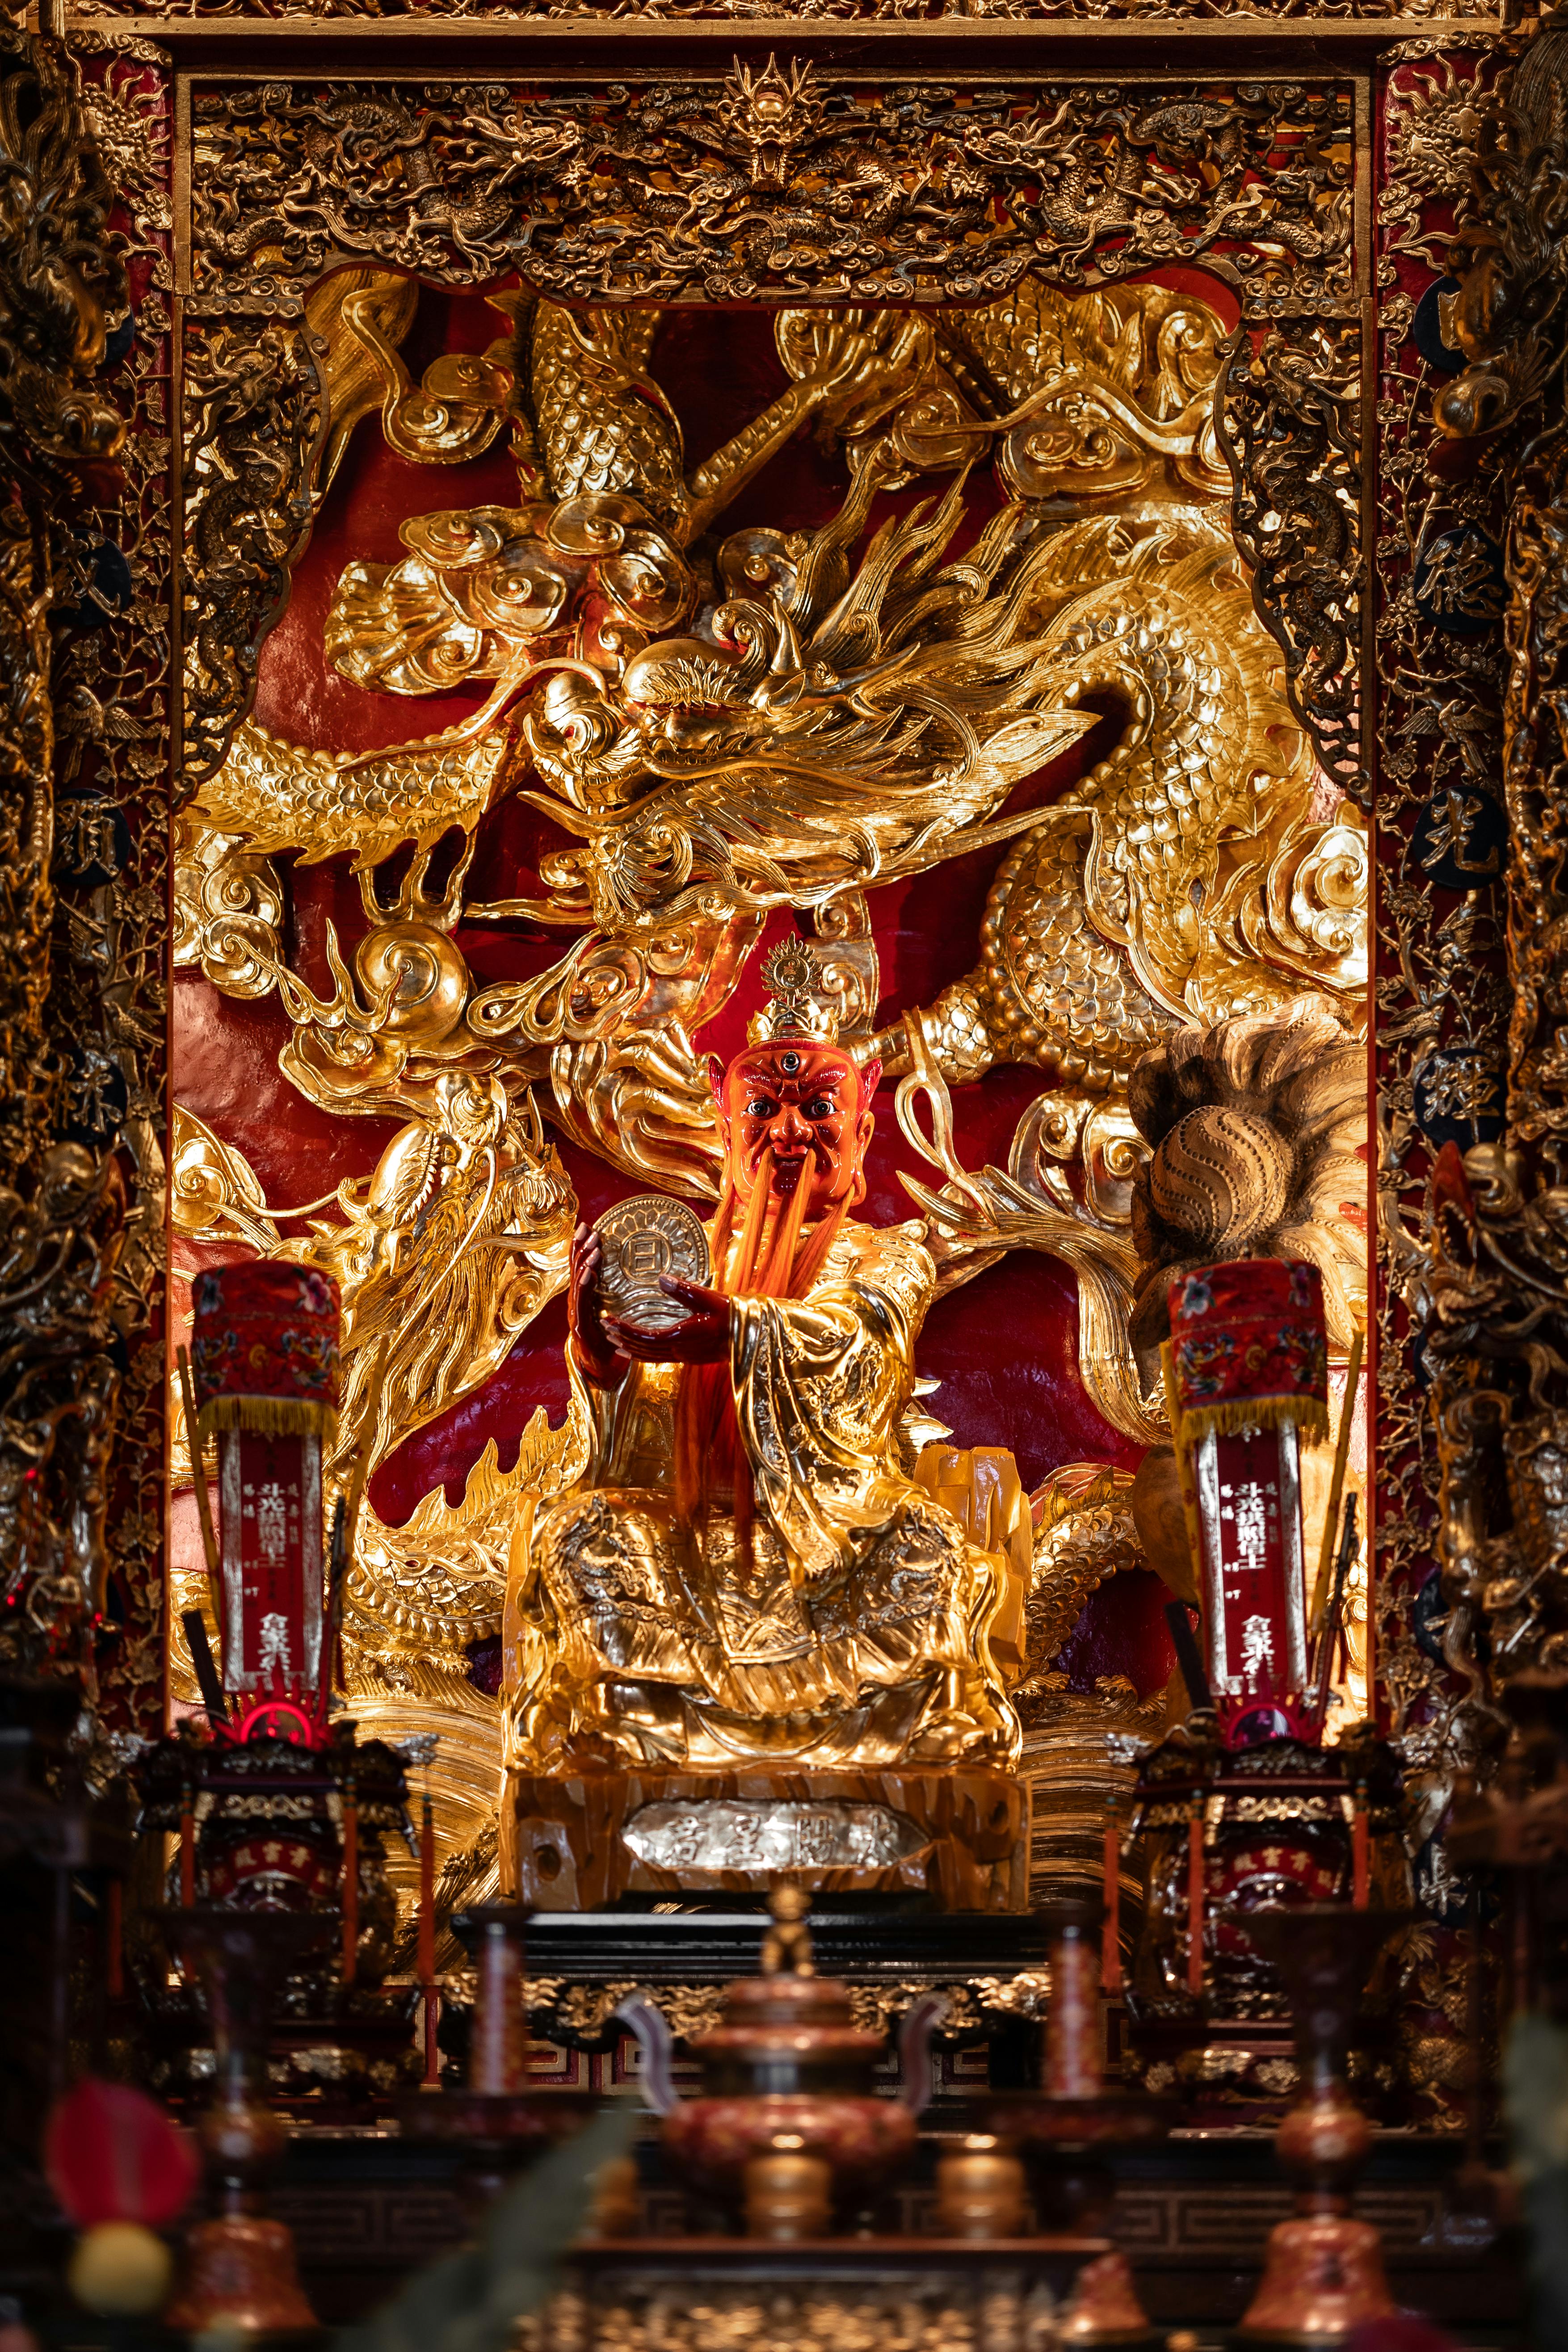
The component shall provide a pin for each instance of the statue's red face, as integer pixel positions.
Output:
(811, 1106)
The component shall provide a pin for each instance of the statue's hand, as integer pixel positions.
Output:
(702, 1337)
(596, 1350)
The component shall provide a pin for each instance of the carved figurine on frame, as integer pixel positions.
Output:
(786, 1947)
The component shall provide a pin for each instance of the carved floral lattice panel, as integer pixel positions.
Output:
(1442, 997)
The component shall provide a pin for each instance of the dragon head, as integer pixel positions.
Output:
(679, 710)
(901, 692)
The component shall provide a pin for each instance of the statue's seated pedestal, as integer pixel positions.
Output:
(958, 1835)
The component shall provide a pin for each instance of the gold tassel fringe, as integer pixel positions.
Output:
(1230, 1415)
(268, 1417)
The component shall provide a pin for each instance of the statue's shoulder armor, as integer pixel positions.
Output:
(891, 1258)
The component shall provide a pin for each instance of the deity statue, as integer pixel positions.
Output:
(745, 1572)
(727, 1555)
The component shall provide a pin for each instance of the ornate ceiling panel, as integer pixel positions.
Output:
(776, 186)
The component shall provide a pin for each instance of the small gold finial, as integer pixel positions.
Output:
(793, 1008)
(786, 1947)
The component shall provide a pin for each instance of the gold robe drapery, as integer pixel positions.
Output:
(851, 1631)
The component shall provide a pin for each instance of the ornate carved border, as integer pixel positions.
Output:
(728, 13)
(84, 602)
(1441, 998)
(1490, 1291)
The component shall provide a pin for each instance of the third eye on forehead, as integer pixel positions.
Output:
(791, 1086)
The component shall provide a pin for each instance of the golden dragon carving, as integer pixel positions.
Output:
(719, 725)
(786, 719)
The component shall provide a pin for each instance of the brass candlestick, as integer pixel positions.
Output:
(1323, 2277)
(1064, 2133)
(241, 2275)
(497, 2122)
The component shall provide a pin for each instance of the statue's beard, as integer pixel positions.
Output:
(817, 1175)
(767, 1258)
(763, 1264)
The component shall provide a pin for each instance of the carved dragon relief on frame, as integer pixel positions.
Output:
(81, 914)
(728, 13)
(1490, 1287)
(654, 685)
(1474, 1438)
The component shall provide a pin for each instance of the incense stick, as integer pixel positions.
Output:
(198, 1480)
(1336, 1491)
(1183, 1471)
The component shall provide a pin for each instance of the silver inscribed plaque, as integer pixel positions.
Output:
(770, 1834)
(644, 1238)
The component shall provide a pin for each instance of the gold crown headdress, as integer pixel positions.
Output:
(793, 1008)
